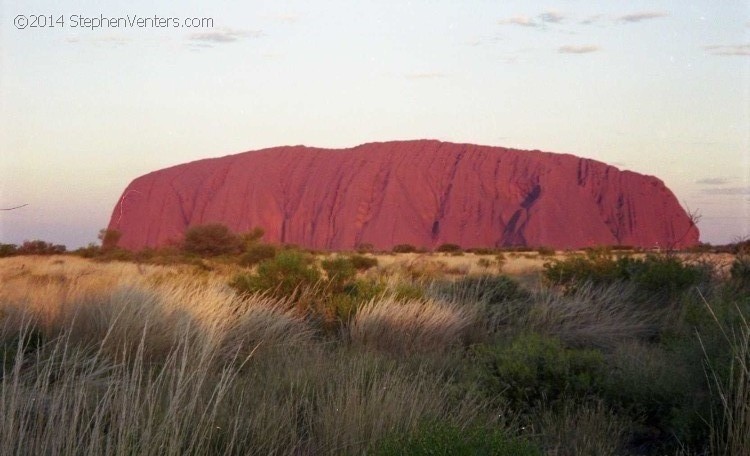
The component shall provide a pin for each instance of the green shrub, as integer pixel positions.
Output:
(256, 253)
(211, 240)
(90, 251)
(535, 369)
(655, 277)
(362, 262)
(340, 271)
(283, 275)
(444, 439)
(404, 248)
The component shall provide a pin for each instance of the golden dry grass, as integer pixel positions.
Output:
(114, 358)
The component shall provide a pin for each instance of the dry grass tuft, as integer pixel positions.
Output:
(592, 316)
(416, 326)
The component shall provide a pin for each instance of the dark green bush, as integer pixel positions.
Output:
(656, 277)
(535, 370)
(404, 248)
(211, 240)
(443, 439)
(340, 272)
(283, 275)
(256, 253)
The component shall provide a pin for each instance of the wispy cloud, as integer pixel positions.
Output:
(554, 17)
(642, 16)
(523, 21)
(225, 35)
(592, 19)
(727, 191)
(433, 75)
(713, 181)
(570, 49)
(731, 49)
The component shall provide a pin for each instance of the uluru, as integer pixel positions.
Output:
(423, 192)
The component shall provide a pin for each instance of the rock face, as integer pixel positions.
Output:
(424, 193)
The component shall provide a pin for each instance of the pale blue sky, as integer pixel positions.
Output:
(659, 87)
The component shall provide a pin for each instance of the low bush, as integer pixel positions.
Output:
(289, 272)
(211, 240)
(535, 369)
(655, 277)
(340, 272)
(256, 253)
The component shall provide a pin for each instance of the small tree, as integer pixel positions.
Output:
(211, 240)
(38, 247)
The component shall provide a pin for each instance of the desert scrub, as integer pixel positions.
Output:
(444, 439)
(289, 272)
(256, 253)
(533, 369)
(655, 278)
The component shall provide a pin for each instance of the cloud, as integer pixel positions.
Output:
(727, 191)
(732, 49)
(553, 17)
(523, 21)
(587, 49)
(592, 19)
(713, 181)
(642, 16)
(433, 75)
(225, 35)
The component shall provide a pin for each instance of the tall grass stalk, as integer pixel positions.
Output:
(730, 425)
